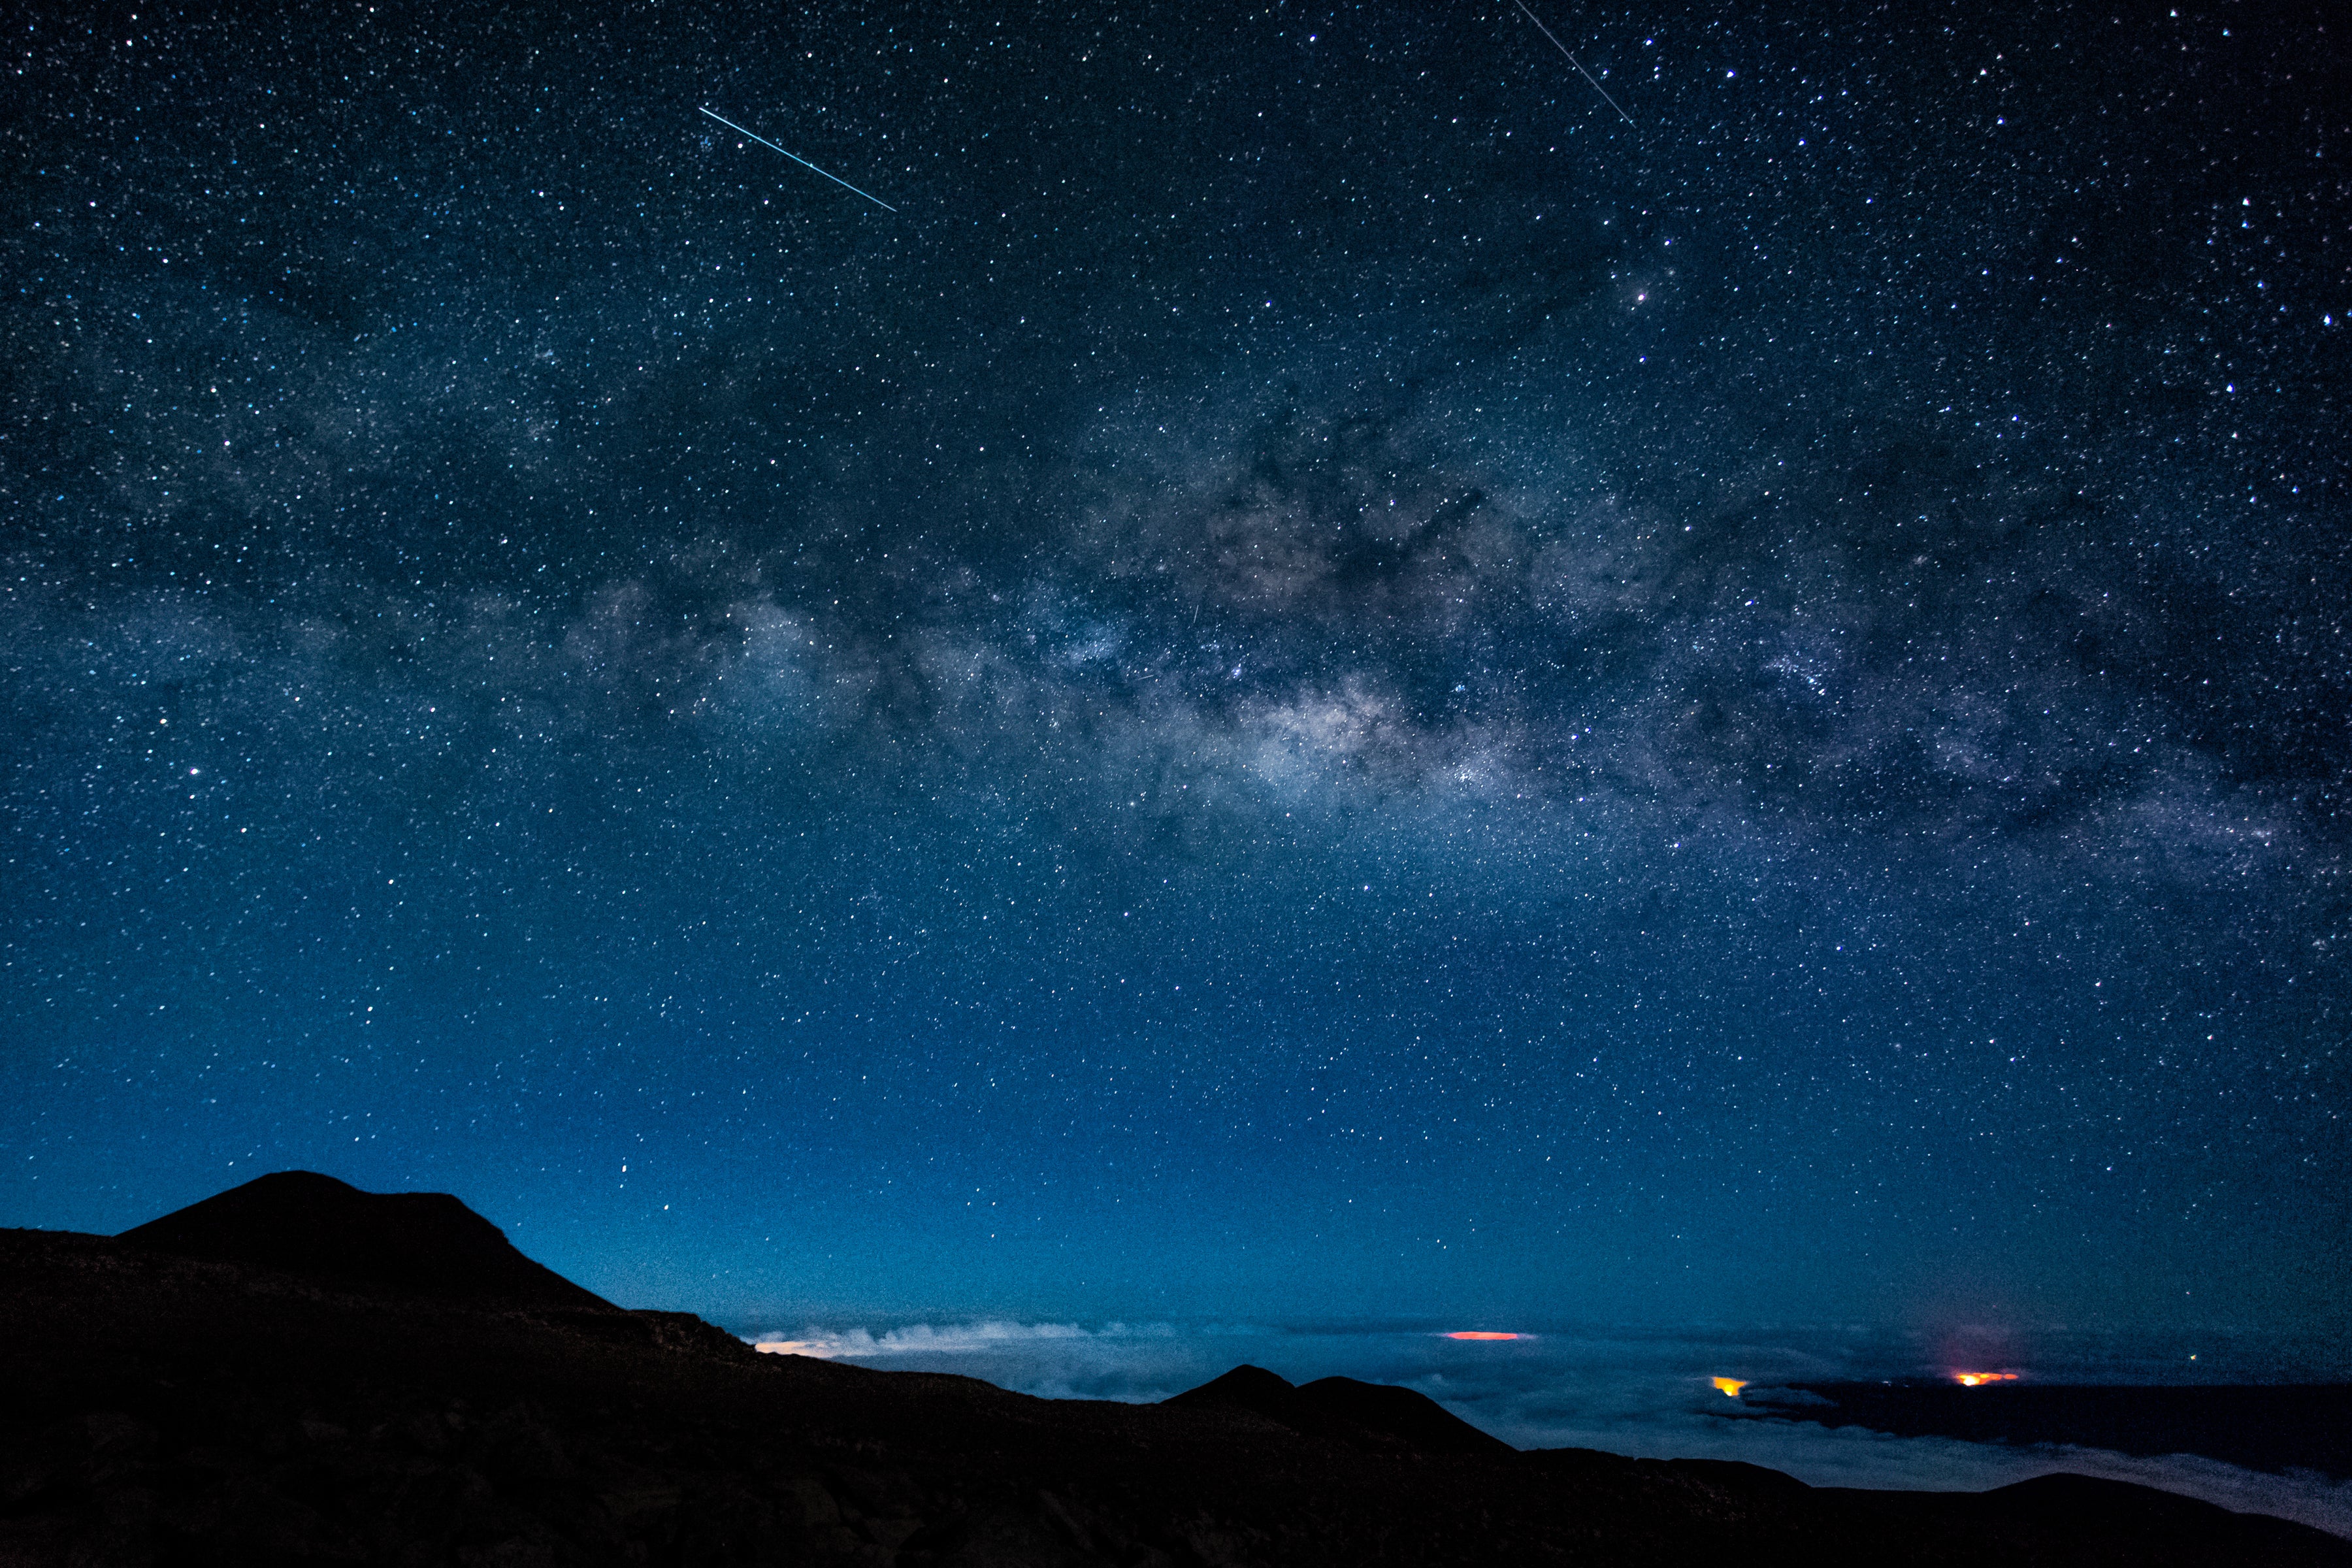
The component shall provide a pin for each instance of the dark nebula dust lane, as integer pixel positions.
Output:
(1299, 675)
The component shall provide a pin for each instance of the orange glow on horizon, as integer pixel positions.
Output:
(1975, 1379)
(1730, 1386)
(1478, 1334)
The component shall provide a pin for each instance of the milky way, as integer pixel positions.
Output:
(1320, 679)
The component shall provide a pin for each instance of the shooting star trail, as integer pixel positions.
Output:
(1556, 44)
(837, 179)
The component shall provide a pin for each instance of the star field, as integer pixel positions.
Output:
(1321, 681)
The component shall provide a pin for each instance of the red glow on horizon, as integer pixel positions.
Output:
(1976, 1379)
(1478, 1334)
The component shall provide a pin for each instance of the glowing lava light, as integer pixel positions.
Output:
(1730, 1385)
(1478, 1334)
(1977, 1379)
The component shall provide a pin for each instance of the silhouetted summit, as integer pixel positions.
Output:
(160, 1410)
(300, 1222)
(1245, 1387)
(1374, 1415)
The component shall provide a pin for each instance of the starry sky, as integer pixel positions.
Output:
(1302, 676)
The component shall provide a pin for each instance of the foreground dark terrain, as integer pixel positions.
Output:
(296, 1371)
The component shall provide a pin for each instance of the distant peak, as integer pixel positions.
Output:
(302, 1222)
(1237, 1387)
(1374, 1416)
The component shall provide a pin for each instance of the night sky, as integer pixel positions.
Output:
(1322, 682)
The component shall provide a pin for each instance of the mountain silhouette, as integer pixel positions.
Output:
(298, 1221)
(181, 1395)
(1373, 1416)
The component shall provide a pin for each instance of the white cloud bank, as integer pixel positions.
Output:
(1648, 1396)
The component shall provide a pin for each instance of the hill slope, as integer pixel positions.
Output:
(1376, 1417)
(300, 1222)
(159, 1408)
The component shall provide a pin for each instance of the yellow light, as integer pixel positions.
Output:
(1978, 1379)
(1478, 1334)
(1730, 1385)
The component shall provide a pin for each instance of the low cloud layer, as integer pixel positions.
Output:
(1639, 1393)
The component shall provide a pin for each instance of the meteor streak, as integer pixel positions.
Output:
(837, 179)
(1556, 44)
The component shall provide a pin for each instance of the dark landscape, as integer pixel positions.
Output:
(298, 1371)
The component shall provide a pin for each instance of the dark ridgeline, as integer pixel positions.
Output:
(303, 1223)
(1376, 1417)
(299, 1372)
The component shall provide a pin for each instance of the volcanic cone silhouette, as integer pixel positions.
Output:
(300, 1222)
